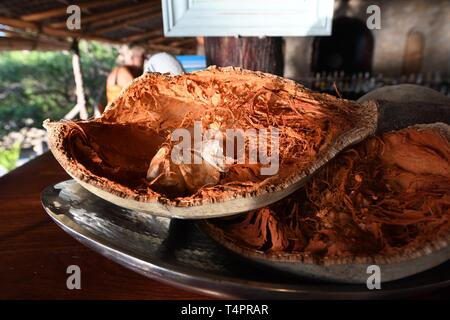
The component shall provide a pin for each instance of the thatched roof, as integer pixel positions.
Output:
(41, 24)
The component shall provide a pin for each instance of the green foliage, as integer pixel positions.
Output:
(39, 85)
(8, 158)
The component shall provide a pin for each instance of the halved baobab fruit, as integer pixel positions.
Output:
(385, 201)
(127, 155)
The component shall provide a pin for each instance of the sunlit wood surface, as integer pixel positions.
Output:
(35, 252)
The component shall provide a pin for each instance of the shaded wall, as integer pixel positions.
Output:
(398, 19)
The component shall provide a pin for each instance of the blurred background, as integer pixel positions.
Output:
(41, 60)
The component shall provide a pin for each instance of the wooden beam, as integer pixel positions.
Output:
(62, 33)
(158, 40)
(172, 50)
(144, 35)
(57, 12)
(105, 17)
(17, 23)
(124, 20)
(76, 34)
(135, 28)
(16, 43)
(126, 14)
(16, 33)
(182, 42)
(20, 33)
(127, 23)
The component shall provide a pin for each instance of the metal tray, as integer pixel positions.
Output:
(177, 252)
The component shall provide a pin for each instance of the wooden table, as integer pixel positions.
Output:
(35, 252)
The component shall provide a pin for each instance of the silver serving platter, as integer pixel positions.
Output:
(179, 253)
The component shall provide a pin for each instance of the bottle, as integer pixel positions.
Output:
(419, 79)
(436, 82)
(428, 79)
(366, 83)
(316, 82)
(359, 85)
(379, 82)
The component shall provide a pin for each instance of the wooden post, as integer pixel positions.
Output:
(253, 53)
(80, 107)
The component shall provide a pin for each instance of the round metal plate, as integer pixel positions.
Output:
(177, 252)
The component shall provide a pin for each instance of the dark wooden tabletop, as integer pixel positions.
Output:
(35, 252)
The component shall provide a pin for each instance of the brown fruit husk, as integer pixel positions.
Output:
(385, 199)
(113, 153)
